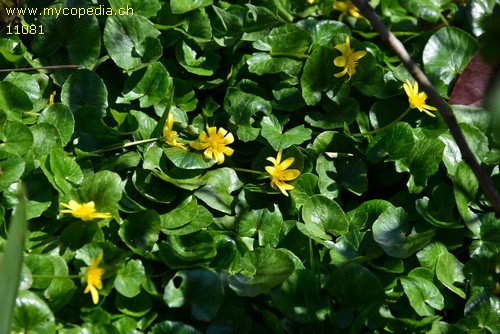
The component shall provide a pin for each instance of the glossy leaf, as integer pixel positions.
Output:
(391, 232)
(441, 61)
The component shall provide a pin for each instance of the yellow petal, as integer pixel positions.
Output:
(229, 138)
(340, 61)
(228, 151)
(287, 163)
(290, 174)
(198, 146)
(358, 55)
(220, 157)
(212, 131)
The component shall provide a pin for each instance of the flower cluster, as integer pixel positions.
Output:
(349, 58)
(213, 143)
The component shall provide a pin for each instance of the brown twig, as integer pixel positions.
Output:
(397, 47)
(52, 67)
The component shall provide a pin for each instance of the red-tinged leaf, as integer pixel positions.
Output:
(471, 86)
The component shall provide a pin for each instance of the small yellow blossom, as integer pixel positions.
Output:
(310, 2)
(348, 59)
(347, 7)
(169, 135)
(214, 144)
(93, 276)
(51, 98)
(85, 211)
(416, 99)
(279, 174)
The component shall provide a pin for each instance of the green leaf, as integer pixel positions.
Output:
(149, 86)
(184, 6)
(12, 167)
(441, 61)
(429, 10)
(317, 76)
(33, 313)
(131, 41)
(336, 116)
(392, 144)
(184, 213)
(84, 88)
(129, 279)
(201, 288)
(104, 188)
(326, 214)
(349, 285)
(80, 233)
(137, 306)
(305, 187)
(326, 171)
(322, 31)
(439, 211)
(392, 232)
(197, 26)
(76, 38)
(423, 295)
(262, 269)
(60, 291)
(14, 101)
(272, 131)
(27, 83)
(173, 327)
(266, 223)
(45, 139)
(257, 22)
(423, 160)
(241, 107)
(140, 232)
(287, 38)
(217, 192)
(187, 160)
(476, 139)
(448, 271)
(10, 267)
(263, 63)
(60, 116)
(297, 297)
(61, 170)
(188, 250)
(465, 186)
(196, 61)
(145, 9)
(16, 138)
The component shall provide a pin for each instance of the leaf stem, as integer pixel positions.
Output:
(118, 146)
(56, 276)
(248, 171)
(444, 20)
(384, 127)
(286, 54)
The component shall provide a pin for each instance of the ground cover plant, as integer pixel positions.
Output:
(267, 166)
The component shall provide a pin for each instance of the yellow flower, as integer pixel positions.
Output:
(310, 2)
(85, 211)
(169, 135)
(51, 98)
(214, 144)
(279, 174)
(416, 99)
(348, 59)
(347, 7)
(93, 276)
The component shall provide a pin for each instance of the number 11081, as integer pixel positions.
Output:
(25, 29)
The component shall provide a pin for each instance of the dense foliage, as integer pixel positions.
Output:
(247, 167)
